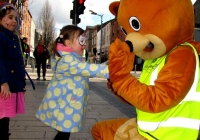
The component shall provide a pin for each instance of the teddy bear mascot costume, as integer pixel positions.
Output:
(166, 97)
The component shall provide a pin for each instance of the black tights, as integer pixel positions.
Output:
(4, 128)
(62, 136)
(40, 61)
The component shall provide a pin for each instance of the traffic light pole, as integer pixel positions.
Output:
(101, 43)
(101, 38)
(75, 9)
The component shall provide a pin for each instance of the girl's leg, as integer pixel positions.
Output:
(4, 128)
(62, 136)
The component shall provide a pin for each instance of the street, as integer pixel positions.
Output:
(102, 105)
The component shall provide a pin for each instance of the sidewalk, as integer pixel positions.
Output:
(101, 106)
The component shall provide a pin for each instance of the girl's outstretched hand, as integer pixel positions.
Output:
(5, 91)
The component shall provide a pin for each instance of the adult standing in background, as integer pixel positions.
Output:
(40, 53)
(26, 50)
(32, 58)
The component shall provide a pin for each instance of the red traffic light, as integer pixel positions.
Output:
(81, 1)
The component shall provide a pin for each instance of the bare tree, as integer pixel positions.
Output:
(46, 24)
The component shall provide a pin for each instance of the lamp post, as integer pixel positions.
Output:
(94, 13)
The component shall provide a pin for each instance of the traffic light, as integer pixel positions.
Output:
(78, 9)
(74, 17)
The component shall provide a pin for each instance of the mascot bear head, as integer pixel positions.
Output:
(155, 27)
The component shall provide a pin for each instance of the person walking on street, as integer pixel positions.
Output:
(65, 102)
(12, 70)
(40, 53)
(32, 58)
(26, 50)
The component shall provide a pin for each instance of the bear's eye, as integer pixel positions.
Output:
(135, 23)
(123, 30)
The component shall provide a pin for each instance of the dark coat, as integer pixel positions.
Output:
(12, 68)
(42, 56)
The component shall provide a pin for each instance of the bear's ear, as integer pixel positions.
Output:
(113, 7)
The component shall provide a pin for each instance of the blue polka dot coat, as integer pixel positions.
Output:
(65, 102)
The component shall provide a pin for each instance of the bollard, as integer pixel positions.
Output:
(135, 68)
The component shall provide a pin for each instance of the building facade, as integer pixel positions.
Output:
(197, 13)
(26, 22)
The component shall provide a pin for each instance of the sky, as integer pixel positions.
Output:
(61, 11)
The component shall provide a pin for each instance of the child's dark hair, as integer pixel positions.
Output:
(66, 33)
(5, 8)
(4, 11)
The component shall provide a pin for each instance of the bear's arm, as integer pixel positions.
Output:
(171, 86)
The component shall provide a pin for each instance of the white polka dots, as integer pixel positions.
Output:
(59, 128)
(69, 96)
(68, 111)
(64, 67)
(53, 123)
(62, 104)
(42, 117)
(40, 107)
(77, 105)
(71, 85)
(54, 83)
(59, 76)
(82, 65)
(73, 63)
(57, 92)
(52, 104)
(62, 82)
(60, 116)
(76, 117)
(65, 102)
(80, 124)
(55, 112)
(64, 91)
(49, 114)
(93, 67)
(67, 124)
(45, 106)
(75, 129)
(68, 58)
(73, 70)
(67, 74)
(78, 92)
(48, 94)
(77, 78)
(85, 73)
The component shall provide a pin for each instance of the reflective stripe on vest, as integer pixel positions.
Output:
(180, 122)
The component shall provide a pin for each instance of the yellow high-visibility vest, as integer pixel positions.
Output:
(178, 123)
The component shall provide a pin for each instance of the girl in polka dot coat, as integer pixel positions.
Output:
(65, 102)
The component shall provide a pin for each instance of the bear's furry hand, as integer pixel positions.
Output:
(120, 60)
(109, 85)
